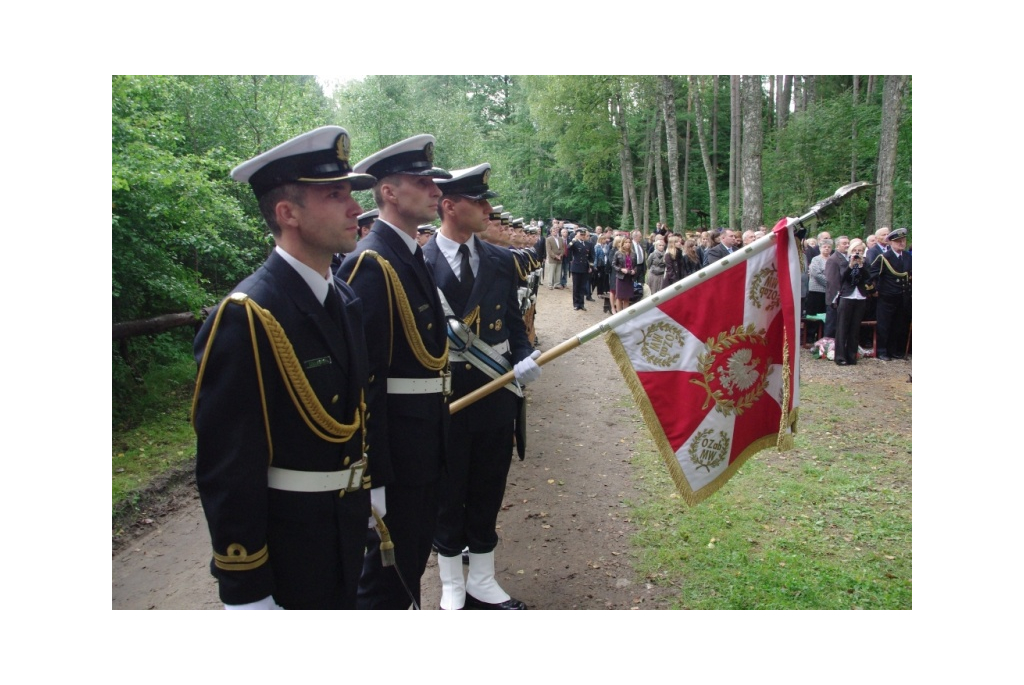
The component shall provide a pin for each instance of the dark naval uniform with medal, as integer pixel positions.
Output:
(408, 381)
(279, 418)
(480, 283)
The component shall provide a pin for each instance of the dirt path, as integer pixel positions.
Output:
(564, 542)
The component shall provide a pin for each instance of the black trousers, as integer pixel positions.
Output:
(473, 489)
(579, 289)
(411, 517)
(893, 313)
(848, 318)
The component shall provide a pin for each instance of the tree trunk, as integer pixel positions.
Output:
(668, 101)
(659, 174)
(885, 170)
(626, 158)
(649, 173)
(708, 169)
(853, 137)
(714, 125)
(686, 154)
(871, 89)
(735, 146)
(753, 140)
(157, 324)
(771, 99)
(787, 100)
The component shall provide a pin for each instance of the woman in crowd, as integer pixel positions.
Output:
(673, 262)
(625, 270)
(691, 260)
(816, 284)
(602, 264)
(656, 265)
(850, 303)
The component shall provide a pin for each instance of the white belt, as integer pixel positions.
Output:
(349, 480)
(415, 386)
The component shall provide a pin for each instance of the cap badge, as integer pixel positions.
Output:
(428, 152)
(487, 176)
(343, 145)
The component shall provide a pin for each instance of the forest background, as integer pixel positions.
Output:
(624, 151)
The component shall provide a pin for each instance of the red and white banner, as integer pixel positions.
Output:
(714, 369)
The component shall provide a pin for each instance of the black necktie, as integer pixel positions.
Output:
(465, 271)
(333, 306)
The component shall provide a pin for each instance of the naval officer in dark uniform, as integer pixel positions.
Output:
(480, 285)
(278, 408)
(893, 279)
(409, 376)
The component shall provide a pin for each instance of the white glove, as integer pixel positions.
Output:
(377, 501)
(265, 603)
(527, 370)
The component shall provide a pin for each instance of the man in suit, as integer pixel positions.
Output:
(581, 263)
(641, 249)
(892, 273)
(282, 475)
(554, 248)
(409, 376)
(728, 244)
(480, 285)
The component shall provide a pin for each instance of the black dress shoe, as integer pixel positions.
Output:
(884, 358)
(841, 362)
(583, 309)
(897, 356)
(590, 299)
(511, 603)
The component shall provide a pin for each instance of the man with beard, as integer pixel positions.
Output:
(409, 375)
(479, 284)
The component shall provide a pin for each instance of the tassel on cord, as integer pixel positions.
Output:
(387, 548)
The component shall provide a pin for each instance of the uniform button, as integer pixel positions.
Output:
(370, 379)
(491, 326)
(498, 307)
(468, 367)
(334, 400)
(347, 460)
(429, 326)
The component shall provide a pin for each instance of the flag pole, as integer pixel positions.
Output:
(814, 214)
(615, 320)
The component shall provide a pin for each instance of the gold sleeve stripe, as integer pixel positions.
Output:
(238, 560)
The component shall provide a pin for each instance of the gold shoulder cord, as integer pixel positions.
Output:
(323, 425)
(897, 274)
(523, 275)
(412, 336)
(473, 318)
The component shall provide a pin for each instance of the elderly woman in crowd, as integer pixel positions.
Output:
(816, 283)
(656, 265)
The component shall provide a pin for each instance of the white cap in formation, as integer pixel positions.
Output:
(317, 156)
(412, 156)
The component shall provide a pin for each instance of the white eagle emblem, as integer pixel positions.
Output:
(741, 372)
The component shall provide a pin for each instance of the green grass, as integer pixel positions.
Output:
(159, 439)
(827, 525)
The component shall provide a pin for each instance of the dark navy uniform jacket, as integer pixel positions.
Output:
(496, 292)
(303, 548)
(407, 432)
